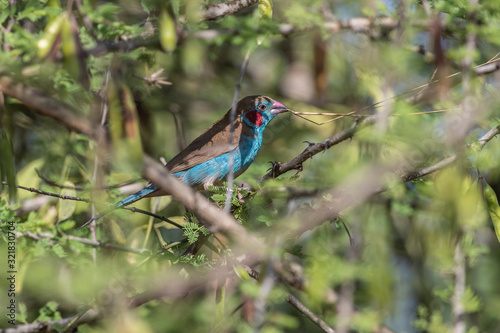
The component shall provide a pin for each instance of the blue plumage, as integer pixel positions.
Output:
(205, 161)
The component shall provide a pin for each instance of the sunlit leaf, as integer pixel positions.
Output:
(265, 9)
(493, 207)
(48, 43)
(168, 33)
(74, 58)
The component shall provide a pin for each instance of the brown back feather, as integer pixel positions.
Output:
(214, 141)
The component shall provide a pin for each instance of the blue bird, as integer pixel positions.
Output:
(205, 161)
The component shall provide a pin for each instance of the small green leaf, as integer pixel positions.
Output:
(265, 9)
(241, 273)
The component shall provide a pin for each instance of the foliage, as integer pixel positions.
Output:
(422, 255)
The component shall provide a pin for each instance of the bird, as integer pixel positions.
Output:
(205, 161)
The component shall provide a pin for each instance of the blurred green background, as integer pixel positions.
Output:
(424, 255)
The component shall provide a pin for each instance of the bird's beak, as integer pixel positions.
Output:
(279, 108)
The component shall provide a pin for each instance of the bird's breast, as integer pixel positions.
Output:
(249, 147)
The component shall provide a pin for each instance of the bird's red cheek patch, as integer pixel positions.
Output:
(254, 117)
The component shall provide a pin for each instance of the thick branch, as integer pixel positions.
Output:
(227, 8)
(38, 101)
(212, 217)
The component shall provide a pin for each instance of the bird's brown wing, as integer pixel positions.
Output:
(212, 143)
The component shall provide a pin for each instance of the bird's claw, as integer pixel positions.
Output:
(240, 197)
(275, 168)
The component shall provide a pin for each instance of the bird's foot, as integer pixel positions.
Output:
(242, 195)
(275, 169)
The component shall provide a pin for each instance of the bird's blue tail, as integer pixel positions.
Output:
(127, 201)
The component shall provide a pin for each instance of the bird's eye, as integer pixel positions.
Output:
(262, 107)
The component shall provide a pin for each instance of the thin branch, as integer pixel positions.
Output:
(316, 148)
(481, 142)
(63, 197)
(226, 8)
(214, 219)
(211, 13)
(313, 149)
(430, 169)
(308, 313)
(67, 197)
(488, 136)
(297, 283)
(362, 185)
(45, 235)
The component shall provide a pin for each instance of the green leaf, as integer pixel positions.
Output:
(66, 208)
(47, 42)
(58, 250)
(168, 33)
(72, 50)
(241, 273)
(27, 176)
(265, 9)
(493, 207)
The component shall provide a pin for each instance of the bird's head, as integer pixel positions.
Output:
(258, 111)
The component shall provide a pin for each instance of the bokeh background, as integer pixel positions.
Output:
(418, 256)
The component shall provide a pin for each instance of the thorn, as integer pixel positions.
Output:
(309, 143)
